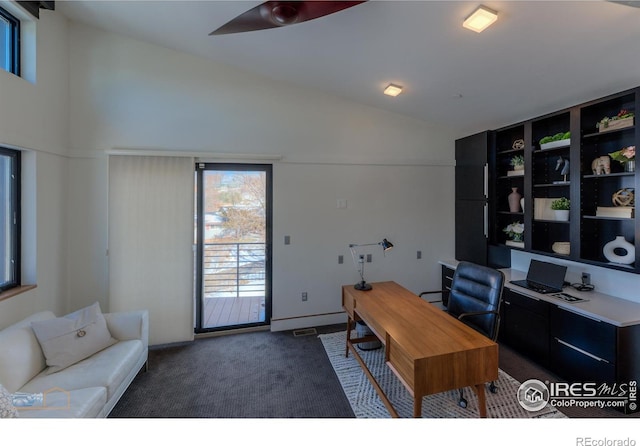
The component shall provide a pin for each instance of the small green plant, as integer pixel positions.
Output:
(556, 137)
(517, 160)
(622, 114)
(625, 154)
(561, 204)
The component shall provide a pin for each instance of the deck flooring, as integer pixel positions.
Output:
(230, 311)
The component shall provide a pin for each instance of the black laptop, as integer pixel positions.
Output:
(543, 277)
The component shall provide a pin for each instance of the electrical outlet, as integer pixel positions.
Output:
(419, 255)
(340, 260)
(369, 258)
(304, 296)
(586, 279)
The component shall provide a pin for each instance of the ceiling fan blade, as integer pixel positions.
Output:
(635, 4)
(274, 14)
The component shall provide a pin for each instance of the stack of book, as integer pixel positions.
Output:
(615, 211)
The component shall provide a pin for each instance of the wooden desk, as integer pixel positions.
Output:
(427, 349)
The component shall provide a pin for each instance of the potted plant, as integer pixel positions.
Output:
(561, 139)
(626, 156)
(623, 119)
(561, 208)
(517, 162)
(515, 234)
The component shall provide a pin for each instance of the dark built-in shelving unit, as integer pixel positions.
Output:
(586, 232)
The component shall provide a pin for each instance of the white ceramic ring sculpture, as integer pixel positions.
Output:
(621, 243)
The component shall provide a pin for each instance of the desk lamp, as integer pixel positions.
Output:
(359, 263)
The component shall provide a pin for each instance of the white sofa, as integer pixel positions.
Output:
(87, 389)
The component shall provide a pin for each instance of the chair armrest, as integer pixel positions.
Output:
(128, 325)
(433, 292)
(477, 313)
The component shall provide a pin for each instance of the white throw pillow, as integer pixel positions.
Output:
(72, 338)
(6, 404)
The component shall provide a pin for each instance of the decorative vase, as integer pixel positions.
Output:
(514, 200)
(630, 166)
(562, 215)
(522, 203)
(609, 251)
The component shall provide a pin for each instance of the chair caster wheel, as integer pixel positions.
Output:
(462, 403)
(493, 388)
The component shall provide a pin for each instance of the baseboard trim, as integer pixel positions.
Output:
(316, 320)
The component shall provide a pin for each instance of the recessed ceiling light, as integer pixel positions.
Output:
(393, 90)
(480, 19)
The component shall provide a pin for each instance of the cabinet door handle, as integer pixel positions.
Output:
(486, 180)
(506, 302)
(573, 347)
(485, 228)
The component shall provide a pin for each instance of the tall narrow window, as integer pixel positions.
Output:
(9, 42)
(9, 219)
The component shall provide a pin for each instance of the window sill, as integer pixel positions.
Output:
(15, 291)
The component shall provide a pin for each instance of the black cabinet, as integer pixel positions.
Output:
(525, 325)
(582, 348)
(472, 167)
(587, 349)
(472, 206)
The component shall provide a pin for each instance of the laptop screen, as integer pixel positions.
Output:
(548, 274)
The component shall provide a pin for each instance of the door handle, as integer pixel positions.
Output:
(486, 180)
(485, 222)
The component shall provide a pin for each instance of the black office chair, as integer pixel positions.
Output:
(474, 298)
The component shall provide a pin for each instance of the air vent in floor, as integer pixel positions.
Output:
(305, 332)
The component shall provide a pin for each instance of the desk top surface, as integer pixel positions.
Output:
(422, 329)
(610, 309)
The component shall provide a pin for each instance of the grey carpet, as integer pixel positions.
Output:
(249, 375)
(267, 375)
(366, 403)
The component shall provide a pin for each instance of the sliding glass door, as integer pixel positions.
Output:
(233, 239)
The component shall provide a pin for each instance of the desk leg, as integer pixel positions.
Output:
(482, 401)
(417, 406)
(349, 322)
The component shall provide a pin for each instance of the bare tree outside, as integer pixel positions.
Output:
(236, 206)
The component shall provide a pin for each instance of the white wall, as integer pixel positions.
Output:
(395, 172)
(405, 204)
(35, 117)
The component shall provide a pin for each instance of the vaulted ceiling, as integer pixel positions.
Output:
(538, 57)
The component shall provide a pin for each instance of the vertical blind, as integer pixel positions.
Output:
(151, 233)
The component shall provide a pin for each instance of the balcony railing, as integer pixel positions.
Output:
(234, 270)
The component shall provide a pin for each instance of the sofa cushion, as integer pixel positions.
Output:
(72, 338)
(59, 403)
(21, 357)
(107, 368)
(6, 404)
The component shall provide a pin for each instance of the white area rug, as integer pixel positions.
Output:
(366, 403)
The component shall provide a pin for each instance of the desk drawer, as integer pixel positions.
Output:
(579, 366)
(348, 303)
(590, 335)
(532, 304)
